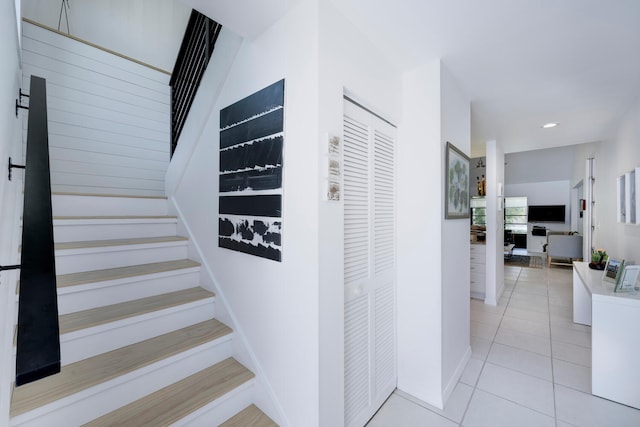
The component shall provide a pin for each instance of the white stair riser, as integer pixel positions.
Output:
(79, 345)
(74, 260)
(220, 410)
(70, 205)
(101, 399)
(85, 297)
(65, 232)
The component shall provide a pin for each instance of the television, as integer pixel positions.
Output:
(546, 213)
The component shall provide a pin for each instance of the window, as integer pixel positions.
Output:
(515, 214)
(478, 211)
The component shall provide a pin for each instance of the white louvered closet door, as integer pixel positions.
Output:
(369, 263)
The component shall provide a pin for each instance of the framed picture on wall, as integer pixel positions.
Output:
(456, 183)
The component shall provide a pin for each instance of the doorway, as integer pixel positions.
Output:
(369, 262)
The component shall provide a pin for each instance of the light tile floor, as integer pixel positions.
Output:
(530, 365)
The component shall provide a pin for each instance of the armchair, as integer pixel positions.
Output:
(563, 246)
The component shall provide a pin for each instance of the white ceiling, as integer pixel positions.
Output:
(522, 63)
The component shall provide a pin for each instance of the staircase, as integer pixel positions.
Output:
(140, 344)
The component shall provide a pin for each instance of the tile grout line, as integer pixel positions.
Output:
(553, 383)
(550, 357)
(553, 377)
(381, 406)
(518, 404)
(484, 361)
(516, 284)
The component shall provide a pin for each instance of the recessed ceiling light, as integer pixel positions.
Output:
(549, 125)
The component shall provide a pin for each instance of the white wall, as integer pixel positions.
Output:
(552, 164)
(495, 224)
(348, 63)
(544, 193)
(433, 254)
(109, 118)
(548, 177)
(10, 197)
(582, 153)
(275, 304)
(544, 177)
(292, 312)
(456, 351)
(420, 237)
(147, 30)
(614, 157)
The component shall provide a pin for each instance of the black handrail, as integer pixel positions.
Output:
(196, 49)
(38, 344)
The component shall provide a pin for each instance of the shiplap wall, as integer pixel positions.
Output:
(109, 118)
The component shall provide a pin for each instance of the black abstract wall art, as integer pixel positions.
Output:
(251, 143)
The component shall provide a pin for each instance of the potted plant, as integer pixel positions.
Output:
(598, 259)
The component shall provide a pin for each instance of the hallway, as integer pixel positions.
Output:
(530, 365)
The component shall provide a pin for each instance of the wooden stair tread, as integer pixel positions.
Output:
(73, 279)
(251, 416)
(118, 242)
(176, 401)
(111, 313)
(86, 373)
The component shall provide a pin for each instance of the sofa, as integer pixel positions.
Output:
(563, 247)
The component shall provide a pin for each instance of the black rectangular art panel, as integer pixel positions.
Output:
(256, 128)
(250, 202)
(255, 179)
(268, 205)
(259, 237)
(264, 153)
(266, 99)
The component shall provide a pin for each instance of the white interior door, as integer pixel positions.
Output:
(369, 263)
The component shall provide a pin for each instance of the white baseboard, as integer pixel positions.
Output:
(447, 391)
(457, 374)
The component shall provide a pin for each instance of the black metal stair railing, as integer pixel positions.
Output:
(38, 340)
(196, 49)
